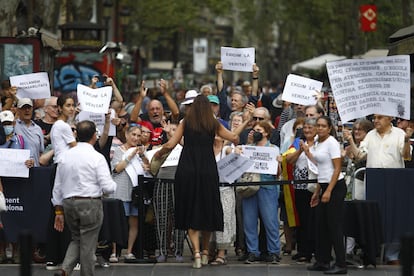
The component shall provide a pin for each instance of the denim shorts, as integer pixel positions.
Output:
(130, 210)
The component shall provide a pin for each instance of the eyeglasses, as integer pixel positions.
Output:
(258, 118)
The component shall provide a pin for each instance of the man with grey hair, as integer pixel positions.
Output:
(51, 113)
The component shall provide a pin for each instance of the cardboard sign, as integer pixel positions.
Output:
(264, 159)
(94, 100)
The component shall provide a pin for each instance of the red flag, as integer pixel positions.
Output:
(368, 18)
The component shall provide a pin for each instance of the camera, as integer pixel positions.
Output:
(299, 134)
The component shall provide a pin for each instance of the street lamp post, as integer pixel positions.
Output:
(107, 13)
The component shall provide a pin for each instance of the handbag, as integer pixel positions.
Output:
(155, 164)
(248, 190)
(3, 206)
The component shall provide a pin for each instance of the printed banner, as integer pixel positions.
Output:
(94, 100)
(238, 59)
(264, 159)
(33, 86)
(301, 90)
(231, 167)
(371, 86)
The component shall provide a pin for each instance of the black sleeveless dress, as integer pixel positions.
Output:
(197, 196)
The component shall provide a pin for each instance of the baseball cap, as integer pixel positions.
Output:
(213, 99)
(278, 102)
(24, 101)
(190, 95)
(6, 116)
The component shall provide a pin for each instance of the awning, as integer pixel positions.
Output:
(316, 63)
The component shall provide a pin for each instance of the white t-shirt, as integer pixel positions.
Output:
(60, 136)
(386, 151)
(323, 153)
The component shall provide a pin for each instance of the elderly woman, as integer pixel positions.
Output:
(304, 232)
(265, 202)
(131, 151)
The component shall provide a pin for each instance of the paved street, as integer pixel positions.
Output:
(233, 268)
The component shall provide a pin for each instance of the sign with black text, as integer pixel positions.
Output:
(371, 86)
(33, 86)
(238, 59)
(301, 90)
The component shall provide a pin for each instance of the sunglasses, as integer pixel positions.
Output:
(258, 118)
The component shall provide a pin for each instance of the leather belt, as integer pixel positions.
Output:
(84, 197)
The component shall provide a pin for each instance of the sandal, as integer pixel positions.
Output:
(219, 261)
(197, 260)
(204, 259)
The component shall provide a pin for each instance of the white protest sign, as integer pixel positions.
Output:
(99, 120)
(94, 100)
(264, 159)
(12, 162)
(237, 59)
(134, 167)
(33, 86)
(173, 157)
(371, 86)
(231, 167)
(301, 90)
(150, 153)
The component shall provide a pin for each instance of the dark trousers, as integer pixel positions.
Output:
(329, 226)
(305, 232)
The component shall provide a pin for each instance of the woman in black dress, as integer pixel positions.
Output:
(197, 197)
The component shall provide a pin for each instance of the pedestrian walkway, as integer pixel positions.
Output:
(234, 268)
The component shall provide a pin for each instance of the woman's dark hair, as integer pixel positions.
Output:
(329, 121)
(200, 117)
(62, 99)
(85, 130)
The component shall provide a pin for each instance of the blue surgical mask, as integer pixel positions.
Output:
(8, 130)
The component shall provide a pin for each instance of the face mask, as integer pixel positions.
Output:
(8, 130)
(257, 136)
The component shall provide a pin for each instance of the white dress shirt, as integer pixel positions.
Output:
(82, 172)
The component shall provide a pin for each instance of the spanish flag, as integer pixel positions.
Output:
(288, 189)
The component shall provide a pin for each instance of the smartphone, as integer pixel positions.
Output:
(300, 134)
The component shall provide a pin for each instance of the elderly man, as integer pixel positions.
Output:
(155, 112)
(385, 146)
(31, 132)
(82, 178)
(51, 113)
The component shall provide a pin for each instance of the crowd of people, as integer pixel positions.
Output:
(209, 123)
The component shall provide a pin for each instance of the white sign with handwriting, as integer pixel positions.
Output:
(237, 59)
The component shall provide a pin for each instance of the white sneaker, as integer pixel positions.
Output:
(113, 258)
(77, 267)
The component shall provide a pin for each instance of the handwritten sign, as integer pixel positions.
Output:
(99, 120)
(12, 162)
(301, 90)
(371, 86)
(237, 59)
(94, 100)
(231, 167)
(173, 157)
(264, 159)
(33, 86)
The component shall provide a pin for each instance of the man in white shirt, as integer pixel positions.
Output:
(82, 177)
(385, 146)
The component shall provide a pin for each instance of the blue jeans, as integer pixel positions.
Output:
(265, 203)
